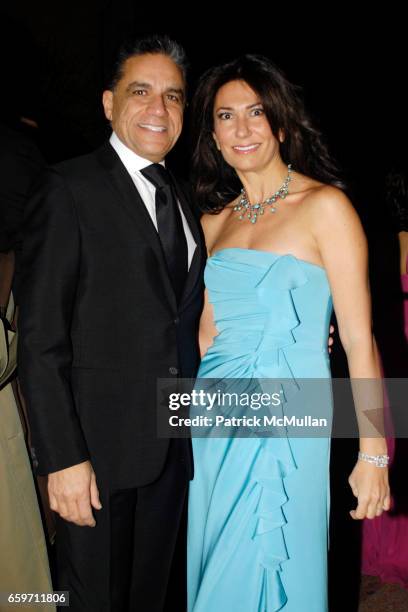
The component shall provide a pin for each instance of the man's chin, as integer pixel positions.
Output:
(154, 154)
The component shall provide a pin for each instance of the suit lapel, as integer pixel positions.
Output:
(195, 271)
(129, 198)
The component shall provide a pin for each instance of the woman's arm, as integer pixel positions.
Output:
(207, 329)
(343, 249)
(403, 243)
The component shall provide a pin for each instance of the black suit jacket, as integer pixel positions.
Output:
(99, 322)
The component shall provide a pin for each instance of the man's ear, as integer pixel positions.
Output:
(107, 101)
(216, 141)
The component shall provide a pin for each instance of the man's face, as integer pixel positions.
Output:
(146, 106)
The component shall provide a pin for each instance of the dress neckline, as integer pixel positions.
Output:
(279, 255)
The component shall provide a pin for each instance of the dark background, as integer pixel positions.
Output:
(55, 58)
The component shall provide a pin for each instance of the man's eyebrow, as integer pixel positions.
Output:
(138, 84)
(172, 89)
(177, 90)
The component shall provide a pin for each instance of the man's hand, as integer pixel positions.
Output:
(73, 492)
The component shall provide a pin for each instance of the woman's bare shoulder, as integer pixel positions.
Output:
(212, 224)
(329, 202)
(332, 214)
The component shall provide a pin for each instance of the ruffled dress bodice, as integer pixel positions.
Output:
(267, 308)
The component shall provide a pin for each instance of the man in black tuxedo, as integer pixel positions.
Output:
(111, 297)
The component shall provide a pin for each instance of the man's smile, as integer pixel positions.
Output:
(153, 128)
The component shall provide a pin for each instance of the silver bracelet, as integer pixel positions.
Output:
(377, 460)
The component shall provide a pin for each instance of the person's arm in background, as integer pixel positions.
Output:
(6, 278)
(21, 163)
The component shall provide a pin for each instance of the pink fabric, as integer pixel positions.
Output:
(385, 538)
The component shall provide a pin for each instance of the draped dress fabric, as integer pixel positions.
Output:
(258, 506)
(385, 538)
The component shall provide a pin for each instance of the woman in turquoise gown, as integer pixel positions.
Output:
(280, 253)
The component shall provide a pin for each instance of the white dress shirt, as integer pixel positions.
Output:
(134, 164)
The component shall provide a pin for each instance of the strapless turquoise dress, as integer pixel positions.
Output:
(258, 506)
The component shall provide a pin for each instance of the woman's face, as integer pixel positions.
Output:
(241, 130)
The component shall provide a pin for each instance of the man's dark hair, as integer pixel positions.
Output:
(155, 44)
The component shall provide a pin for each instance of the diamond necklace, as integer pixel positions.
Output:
(251, 211)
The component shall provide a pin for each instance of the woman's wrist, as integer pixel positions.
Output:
(373, 446)
(380, 461)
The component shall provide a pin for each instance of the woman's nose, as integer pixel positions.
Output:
(242, 127)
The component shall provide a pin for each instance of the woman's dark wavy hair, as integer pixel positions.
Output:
(396, 197)
(216, 183)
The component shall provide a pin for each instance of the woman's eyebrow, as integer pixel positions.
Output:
(229, 108)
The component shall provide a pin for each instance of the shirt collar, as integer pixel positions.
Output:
(129, 158)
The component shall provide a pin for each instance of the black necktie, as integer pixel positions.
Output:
(169, 225)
